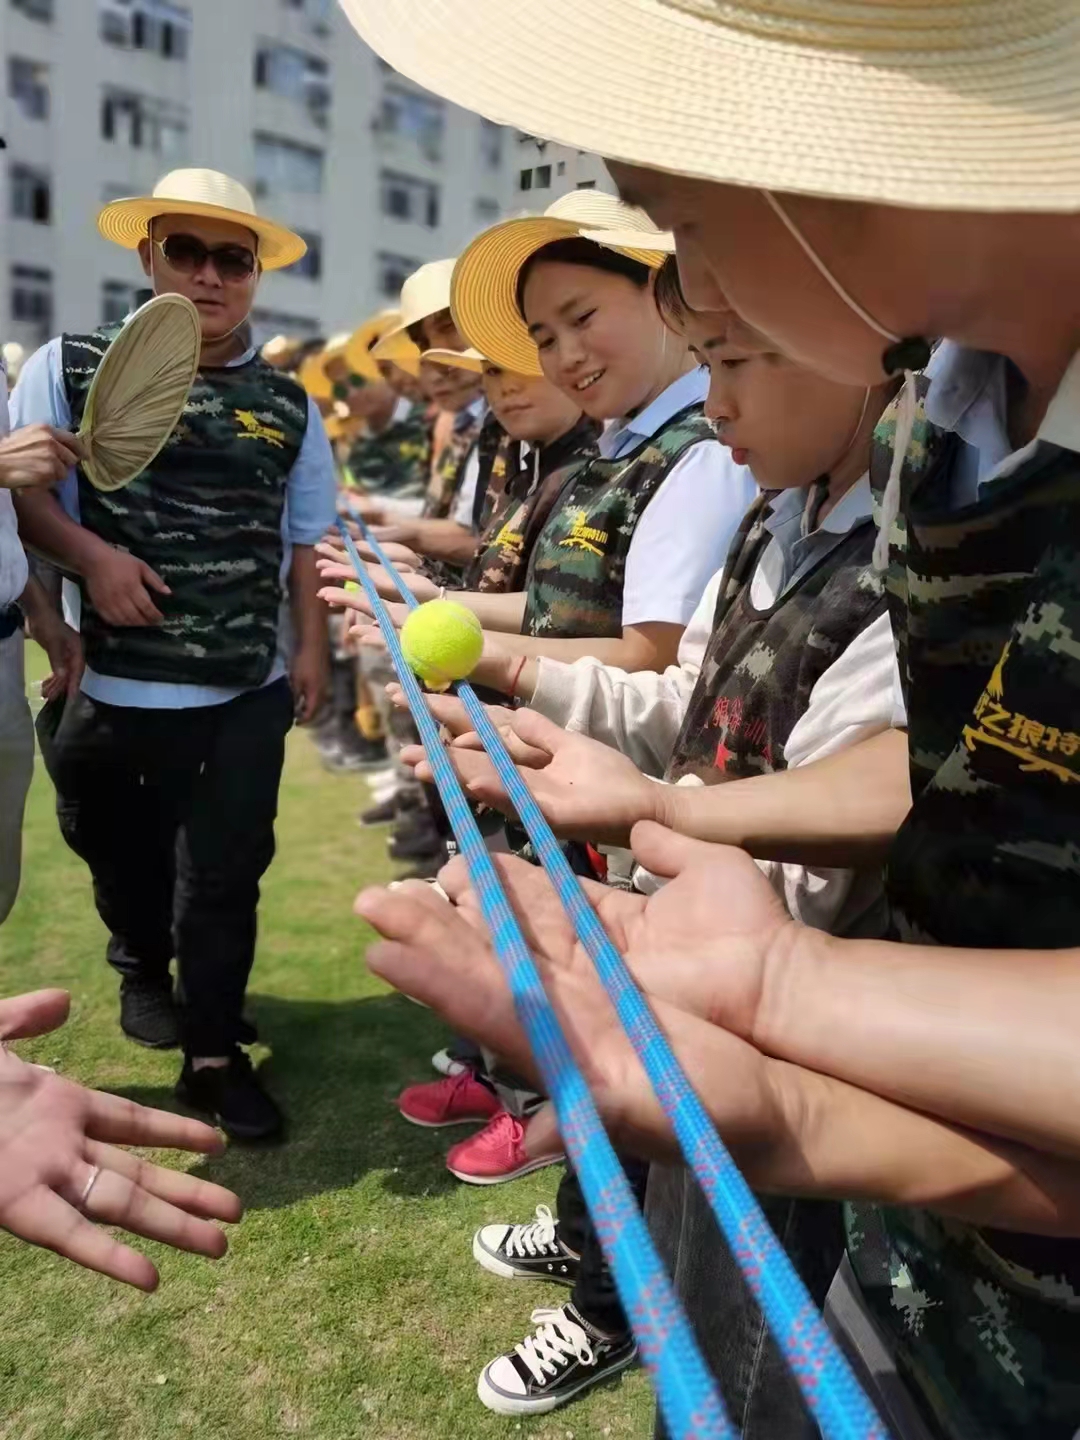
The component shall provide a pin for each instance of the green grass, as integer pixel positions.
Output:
(349, 1304)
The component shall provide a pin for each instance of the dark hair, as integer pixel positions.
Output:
(668, 293)
(415, 332)
(575, 250)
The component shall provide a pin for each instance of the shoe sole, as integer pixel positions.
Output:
(151, 1044)
(446, 1124)
(502, 1179)
(495, 1266)
(507, 1405)
(234, 1132)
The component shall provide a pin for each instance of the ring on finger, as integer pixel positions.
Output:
(91, 1181)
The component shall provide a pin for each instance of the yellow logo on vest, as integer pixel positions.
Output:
(254, 429)
(511, 542)
(584, 537)
(1029, 740)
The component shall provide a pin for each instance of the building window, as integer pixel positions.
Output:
(31, 299)
(309, 266)
(543, 177)
(406, 198)
(267, 323)
(300, 77)
(28, 86)
(393, 271)
(560, 169)
(31, 195)
(491, 144)
(144, 123)
(34, 9)
(413, 117)
(283, 166)
(487, 211)
(586, 184)
(525, 182)
(157, 26)
(315, 12)
(118, 299)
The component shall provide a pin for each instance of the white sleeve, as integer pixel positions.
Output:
(639, 713)
(684, 535)
(463, 509)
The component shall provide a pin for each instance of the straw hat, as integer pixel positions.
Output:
(425, 292)
(200, 192)
(486, 276)
(358, 354)
(312, 373)
(457, 359)
(959, 106)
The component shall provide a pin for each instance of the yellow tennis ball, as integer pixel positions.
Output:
(442, 642)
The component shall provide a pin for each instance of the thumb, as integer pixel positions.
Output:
(34, 1014)
(665, 852)
(153, 579)
(537, 730)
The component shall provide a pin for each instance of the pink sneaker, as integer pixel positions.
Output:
(457, 1100)
(495, 1154)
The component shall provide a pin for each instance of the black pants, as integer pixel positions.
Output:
(173, 811)
(594, 1296)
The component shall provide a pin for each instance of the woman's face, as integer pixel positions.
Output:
(529, 407)
(736, 257)
(448, 387)
(788, 424)
(600, 338)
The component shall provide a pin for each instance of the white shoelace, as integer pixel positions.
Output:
(557, 1340)
(535, 1238)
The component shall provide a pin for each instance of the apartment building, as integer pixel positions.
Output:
(103, 96)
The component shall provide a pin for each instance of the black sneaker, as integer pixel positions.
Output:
(416, 839)
(564, 1357)
(526, 1252)
(148, 1014)
(233, 1096)
(384, 814)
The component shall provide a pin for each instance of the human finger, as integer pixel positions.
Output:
(116, 1199)
(119, 1121)
(152, 579)
(35, 1013)
(145, 608)
(176, 1187)
(345, 599)
(41, 1217)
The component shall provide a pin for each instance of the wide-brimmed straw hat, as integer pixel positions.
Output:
(484, 293)
(457, 359)
(363, 340)
(312, 373)
(200, 192)
(930, 103)
(426, 292)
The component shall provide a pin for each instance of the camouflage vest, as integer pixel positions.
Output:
(986, 608)
(574, 586)
(395, 463)
(761, 666)
(449, 468)
(519, 502)
(207, 518)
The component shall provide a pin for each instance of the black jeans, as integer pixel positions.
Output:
(173, 811)
(762, 1398)
(594, 1296)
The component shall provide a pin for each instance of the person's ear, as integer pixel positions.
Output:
(144, 255)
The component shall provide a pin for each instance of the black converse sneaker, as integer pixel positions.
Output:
(526, 1252)
(564, 1357)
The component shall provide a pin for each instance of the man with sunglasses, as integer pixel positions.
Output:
(204, 638)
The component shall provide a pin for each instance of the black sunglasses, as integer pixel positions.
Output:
(187, 254)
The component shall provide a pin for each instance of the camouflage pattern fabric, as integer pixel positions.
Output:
(206, 517)
(760, 666)
(519, 506)
(449, 468)
(574, 585)
(985, 603)
(395, 464)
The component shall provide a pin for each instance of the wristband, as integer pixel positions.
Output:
(517, 676)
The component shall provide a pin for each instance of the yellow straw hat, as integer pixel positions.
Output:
(200, 192)
(425, 292)
(358, 355)
(312, 373)
(484, 296)
(949, 104)
(457, 359)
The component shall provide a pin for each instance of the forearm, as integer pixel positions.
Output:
(839, 812)
(439, 539)
(985, 1039)
(36, 604)
(309, 614)
(46, 529)
(501, 613)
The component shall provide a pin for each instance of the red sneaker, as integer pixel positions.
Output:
(495, 1154)
(457, 1100)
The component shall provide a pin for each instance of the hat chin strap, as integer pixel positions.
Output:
(904, 355)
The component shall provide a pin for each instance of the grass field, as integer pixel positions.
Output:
(349, 1304)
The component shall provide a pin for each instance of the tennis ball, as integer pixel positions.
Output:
(442, 642)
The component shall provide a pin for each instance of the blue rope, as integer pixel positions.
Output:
(825, 1379)
(688, 1397)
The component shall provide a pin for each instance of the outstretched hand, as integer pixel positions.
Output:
(55, 1134)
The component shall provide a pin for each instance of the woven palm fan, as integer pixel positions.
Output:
(139, 391)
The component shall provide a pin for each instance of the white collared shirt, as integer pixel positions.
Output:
(13, 567)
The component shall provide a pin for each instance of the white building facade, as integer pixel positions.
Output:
(101, 97)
